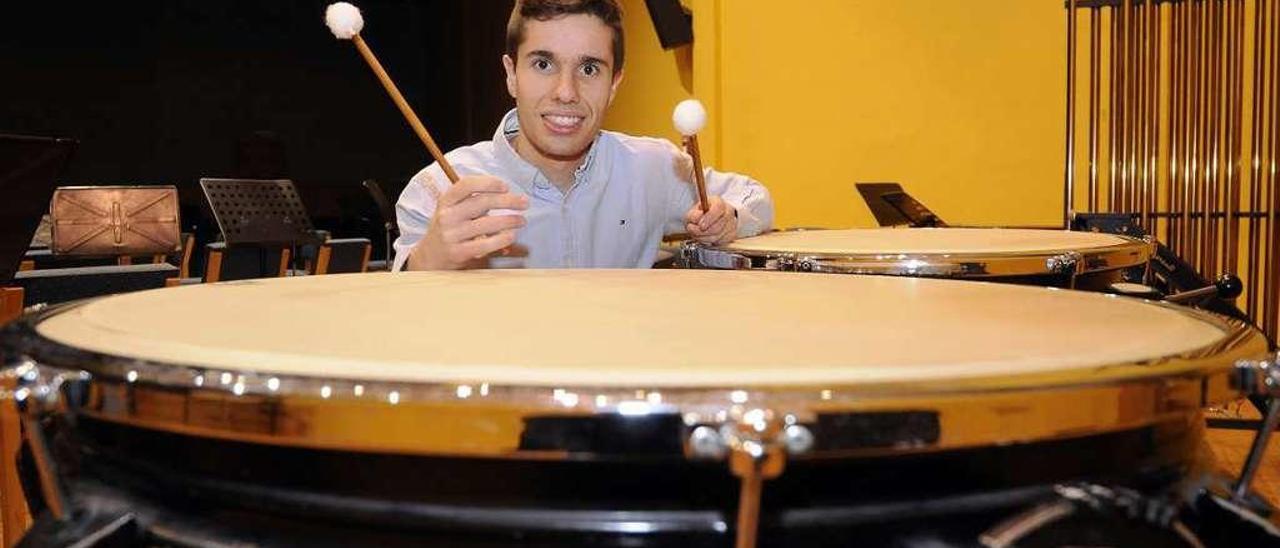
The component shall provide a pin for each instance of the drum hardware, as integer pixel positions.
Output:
(1227, 286)
(692, 252)
(1110, 502)
(1257, 378)
(35, 393)
(136, 397)
(756, 442)
(1067, 264)
(1041, 257)
(1167, 273)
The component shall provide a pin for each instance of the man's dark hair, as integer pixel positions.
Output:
(607, 11)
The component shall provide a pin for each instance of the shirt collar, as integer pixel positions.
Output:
(524, 173)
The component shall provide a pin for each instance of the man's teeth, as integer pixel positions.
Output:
(564, 120)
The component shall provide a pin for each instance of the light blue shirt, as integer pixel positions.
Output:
(628, 193)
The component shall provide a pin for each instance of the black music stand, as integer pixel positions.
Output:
(29, 168)
(892, 206)
(259, 213)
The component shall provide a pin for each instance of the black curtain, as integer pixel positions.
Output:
(167, 92)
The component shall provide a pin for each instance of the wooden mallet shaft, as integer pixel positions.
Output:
(691, 147)
(405, 109)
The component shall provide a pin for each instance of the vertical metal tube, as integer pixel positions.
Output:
(1255, 161)
(1143, 67)
(1269, 303)
(1122, 107)
(1153, 132)
(1095, 58)
(1213, 183)
(1187, 92)
(1175, 123)
(1200, 121)
(1134, 100)
(1232, 193)
(1114, 105)
(1068, 201)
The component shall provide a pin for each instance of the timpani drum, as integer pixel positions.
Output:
(627, 408)
(1085, 260)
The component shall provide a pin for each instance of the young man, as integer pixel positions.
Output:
(551, 190)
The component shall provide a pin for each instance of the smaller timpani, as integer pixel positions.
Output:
(1085, 260)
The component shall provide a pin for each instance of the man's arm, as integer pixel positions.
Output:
(413, 212)
(747, 201)
(449, 227)
(747, 196)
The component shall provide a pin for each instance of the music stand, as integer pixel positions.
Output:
(29, 168)
(258, 212)
(263, 214)
(892, 206)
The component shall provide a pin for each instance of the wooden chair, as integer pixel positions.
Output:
(340, 256)
(224, 263)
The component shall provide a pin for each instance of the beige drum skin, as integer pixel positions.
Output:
(682, 328)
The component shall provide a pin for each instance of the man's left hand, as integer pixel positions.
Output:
(719, 225)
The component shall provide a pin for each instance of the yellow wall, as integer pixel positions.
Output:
(962, 102)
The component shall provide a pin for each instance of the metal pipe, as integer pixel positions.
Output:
(1255, 160)
(1185, 241)
(1269, 303)
(1175, 121)
(1143, 67)
(1134, 100)
(1213, 131)
(1231, 227)
(1256, 450)
(1068, 201)
(1113, 104)
(1153, 134)
(1095, 59)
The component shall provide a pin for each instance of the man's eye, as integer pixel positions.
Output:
(541, 64)
(590, 69)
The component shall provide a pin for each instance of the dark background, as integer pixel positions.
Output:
(167, 92)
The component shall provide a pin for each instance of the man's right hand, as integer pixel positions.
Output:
(462, 232)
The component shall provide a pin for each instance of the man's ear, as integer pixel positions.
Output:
(613, 88)
(510, 66)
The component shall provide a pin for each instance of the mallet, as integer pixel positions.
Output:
(346, 23)
(689, 118)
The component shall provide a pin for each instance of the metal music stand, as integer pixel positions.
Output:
(259, 213)
(892, 206)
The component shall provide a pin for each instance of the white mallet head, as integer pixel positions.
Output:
(689, 117)
(344, 20)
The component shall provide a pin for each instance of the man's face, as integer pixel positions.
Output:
(562, 81)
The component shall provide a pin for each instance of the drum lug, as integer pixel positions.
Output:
(37, 392)
(1257, 377)
(757, 452)
(694, 254)
(706, 442)
(1067, 264)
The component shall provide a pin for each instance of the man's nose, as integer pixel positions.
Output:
(567, 88)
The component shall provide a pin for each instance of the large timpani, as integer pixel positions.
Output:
(1044, 257)
(628, 407)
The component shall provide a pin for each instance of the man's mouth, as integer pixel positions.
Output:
(563, 123)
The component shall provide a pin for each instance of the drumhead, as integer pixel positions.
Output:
(644, 329)
(917, 241)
